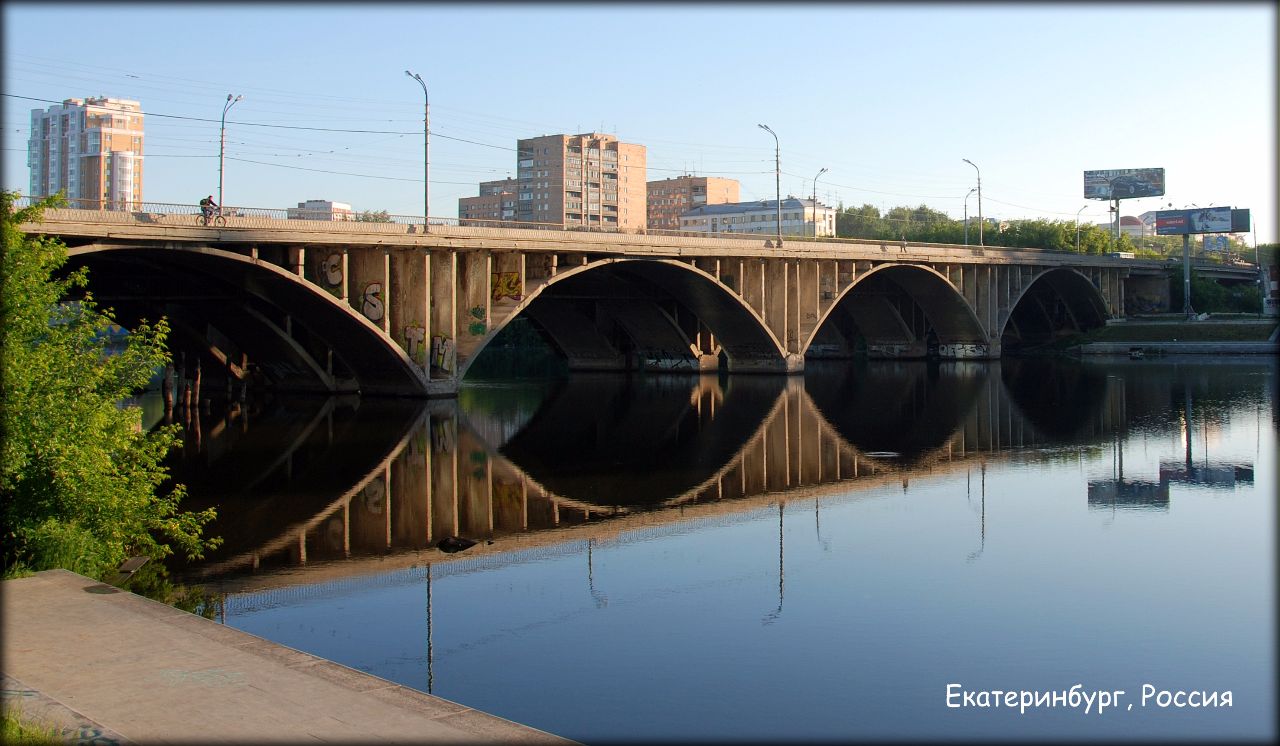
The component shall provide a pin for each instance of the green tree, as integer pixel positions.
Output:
(372, 216)
(861, 222)
(1269, 253)
(81, 483)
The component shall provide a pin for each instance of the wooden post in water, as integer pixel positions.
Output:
(196, 395)
(166, 388)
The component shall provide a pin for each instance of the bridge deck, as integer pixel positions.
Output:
(110, 666)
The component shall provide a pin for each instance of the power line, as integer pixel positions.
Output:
(344, 173)
(283, 126)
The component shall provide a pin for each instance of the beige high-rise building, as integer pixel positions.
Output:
(588, 180)
(800, 217)
(670, 198)
(495, 203)
(89, 148)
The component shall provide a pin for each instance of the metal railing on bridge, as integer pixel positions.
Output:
(236, 216)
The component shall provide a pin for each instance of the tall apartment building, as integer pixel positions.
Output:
(800, 217)
(671, 198)
(495, 203)
(91, 149)
(588, 180)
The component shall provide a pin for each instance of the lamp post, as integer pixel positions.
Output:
(975, 168)
(777, 174)
(1082, 209)
(222, 140)
(815, 201)
(426, 142)
(966, 216)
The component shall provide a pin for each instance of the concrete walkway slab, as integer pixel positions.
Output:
(95, 661)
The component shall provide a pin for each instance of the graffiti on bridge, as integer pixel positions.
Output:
(962, 350)
(478, 327)
(893, 349)
(663, 361)
(442, 352)
(506, 285)
(415, 338)
(372, 306)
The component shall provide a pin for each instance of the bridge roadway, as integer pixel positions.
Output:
(390, 308)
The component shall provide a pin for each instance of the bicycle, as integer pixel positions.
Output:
(213, 215)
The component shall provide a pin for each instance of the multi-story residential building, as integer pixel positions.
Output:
(320, 209)
(589, 181)
(798, 218)
(670, 198)
(496, 203)
(91, 149)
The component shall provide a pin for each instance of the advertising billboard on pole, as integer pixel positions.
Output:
(1124, 183)
(1202, 220)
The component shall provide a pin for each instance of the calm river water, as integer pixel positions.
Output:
(824, 557)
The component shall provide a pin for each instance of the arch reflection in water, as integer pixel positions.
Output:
(516, 467)
(697, 587)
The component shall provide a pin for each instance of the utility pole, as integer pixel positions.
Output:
(975, 168)
(222, 141)
(815, 202)
(426, 143)
(777, 174)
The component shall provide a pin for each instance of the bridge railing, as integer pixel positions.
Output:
(169, 213)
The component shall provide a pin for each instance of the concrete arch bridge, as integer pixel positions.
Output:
(387, 308)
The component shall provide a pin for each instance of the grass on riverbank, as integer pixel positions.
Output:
(1148, 331)
(13, 730)
(1181, 331)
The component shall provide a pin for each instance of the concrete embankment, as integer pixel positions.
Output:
(1232, 337)
(102, 665)
(1180, 348)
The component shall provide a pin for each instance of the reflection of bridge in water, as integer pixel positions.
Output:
(375, 487)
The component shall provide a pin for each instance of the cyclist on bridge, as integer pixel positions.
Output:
(207, 205)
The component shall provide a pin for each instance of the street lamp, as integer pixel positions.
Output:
(426, 142)
(975, 168)
(815, 201)
(222, 140)
(966, 216)
(1082, 209)
(777, 174)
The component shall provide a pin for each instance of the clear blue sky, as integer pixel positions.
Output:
(888, 97)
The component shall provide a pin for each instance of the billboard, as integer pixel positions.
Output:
(1201, 220)
(1124, 183)
(1215, 242)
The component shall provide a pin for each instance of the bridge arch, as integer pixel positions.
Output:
(620, 292)
(948, 320)
(1056, 300)
(244, 312)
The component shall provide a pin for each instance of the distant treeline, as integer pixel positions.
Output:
(925, 225)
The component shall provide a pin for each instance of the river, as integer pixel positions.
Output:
(864, 552)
